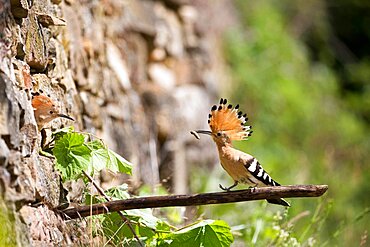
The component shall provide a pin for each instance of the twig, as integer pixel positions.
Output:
(199, 199)
(101, 192)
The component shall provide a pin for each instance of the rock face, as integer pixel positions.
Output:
(139, 74)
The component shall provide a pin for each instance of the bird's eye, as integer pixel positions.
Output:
(218, 134)
(51, 112)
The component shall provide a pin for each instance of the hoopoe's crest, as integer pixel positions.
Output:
(42, 102)
(45, 110)
(228, 124)
(224, 118)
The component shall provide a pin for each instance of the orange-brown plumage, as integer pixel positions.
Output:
(228, 124)
(45, 110)
(229, 120)
(41, 101)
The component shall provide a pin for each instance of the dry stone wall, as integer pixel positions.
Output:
(138, 74)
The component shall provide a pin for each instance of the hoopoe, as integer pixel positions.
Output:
(45, 110)
(228, 124)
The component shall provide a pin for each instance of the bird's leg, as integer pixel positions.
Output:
(253, 188)
(229, 188)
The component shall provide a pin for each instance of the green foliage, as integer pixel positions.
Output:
(303, 133)
(74, 155)
(207, 233)
(103, 157)
(156, 232)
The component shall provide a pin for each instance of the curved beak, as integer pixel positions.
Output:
(197, 132)
(65, 116)
(206, 132)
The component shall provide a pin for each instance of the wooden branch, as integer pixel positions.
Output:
(197, 199)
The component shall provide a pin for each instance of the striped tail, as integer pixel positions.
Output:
(279, 201)
(255, 168)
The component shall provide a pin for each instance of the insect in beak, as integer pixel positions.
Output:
(197, 132)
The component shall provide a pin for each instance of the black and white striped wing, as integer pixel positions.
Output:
(259, 174)
(261, 177)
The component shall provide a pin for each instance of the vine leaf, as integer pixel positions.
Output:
(72, 155)
(75, 155)
(119, 162)
(205, 233)
(103, 157)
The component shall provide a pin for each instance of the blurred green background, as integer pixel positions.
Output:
(301, 71)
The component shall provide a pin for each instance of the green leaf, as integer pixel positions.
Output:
(144, 222)
(115, 193)
(206, 233)
(118, 192)
(143, 216)
(60, 132)
(120, 163)
(72, 155)
(99, 155)
(103, 157)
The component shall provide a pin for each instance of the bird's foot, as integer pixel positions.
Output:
(228, 188)
(253, 188)
(224, 188)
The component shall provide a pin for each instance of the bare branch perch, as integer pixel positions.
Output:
(197, 199)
